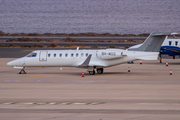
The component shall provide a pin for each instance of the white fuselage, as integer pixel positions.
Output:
(75, 58)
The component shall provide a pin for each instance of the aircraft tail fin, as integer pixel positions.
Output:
(152, 43)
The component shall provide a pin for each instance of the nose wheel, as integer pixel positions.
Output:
(22, 71)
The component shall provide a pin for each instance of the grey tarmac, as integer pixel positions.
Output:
(147, 92)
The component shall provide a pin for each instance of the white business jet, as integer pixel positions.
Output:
(91, 59)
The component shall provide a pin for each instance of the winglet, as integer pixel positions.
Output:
(86, 62)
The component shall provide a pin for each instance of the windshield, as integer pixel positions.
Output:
(32, 55)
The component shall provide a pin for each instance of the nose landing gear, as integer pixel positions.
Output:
(22, 71)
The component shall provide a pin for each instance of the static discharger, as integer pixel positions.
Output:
(82, 74)
(166, 63)
(170, 73)
(129, 69)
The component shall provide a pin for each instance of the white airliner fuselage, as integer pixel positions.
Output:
(75, 58)
(91, 59)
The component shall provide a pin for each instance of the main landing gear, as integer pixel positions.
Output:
(22, 71)
(99, 71)
(92, 72)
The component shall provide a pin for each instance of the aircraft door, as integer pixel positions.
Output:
(43, 56)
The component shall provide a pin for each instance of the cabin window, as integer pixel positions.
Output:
(86, 54)
(77, 54)
(170, 42)
(176, 43)
(72, 54)
(49, 55)
(32, 55)
(66, 55)
(82, 54)
(54, 55)
(60, 55)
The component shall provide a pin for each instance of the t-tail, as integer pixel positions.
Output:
(152, 43)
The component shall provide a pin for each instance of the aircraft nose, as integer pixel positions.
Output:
(10, 63)
(17, 62)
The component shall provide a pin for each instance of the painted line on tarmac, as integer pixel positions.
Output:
(9, 103)
(53, 103)
(36, 76)
(79, 103)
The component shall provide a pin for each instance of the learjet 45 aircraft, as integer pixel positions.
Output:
(91, 59)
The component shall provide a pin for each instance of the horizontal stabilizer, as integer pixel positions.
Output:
(160, 34)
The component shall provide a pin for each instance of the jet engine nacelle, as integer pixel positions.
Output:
(108, 54)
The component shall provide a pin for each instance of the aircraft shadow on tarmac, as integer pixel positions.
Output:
(86, 73)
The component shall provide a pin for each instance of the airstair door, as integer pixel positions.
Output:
(43, 56)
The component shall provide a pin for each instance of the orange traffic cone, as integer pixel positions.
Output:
(140, 61)
(128, 69)
(170, 72)
(82, 74)
(166, 63)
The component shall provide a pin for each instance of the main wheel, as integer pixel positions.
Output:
(100, 70)
(92, 72)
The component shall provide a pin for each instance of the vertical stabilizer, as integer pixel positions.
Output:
(152, 43)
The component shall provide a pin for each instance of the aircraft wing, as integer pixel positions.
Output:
(86, 63)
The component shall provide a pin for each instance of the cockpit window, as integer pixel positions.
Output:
(32, 55)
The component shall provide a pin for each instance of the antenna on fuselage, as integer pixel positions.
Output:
(77, 48)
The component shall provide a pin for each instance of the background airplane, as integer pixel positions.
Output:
(171, 46)
(91, 59)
